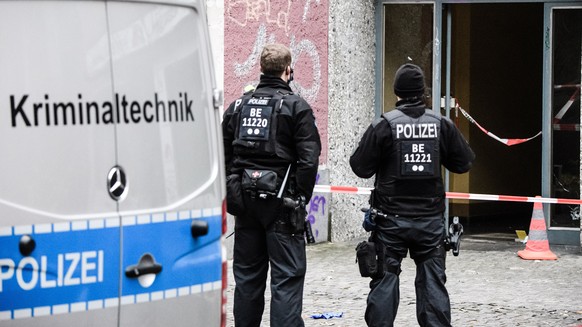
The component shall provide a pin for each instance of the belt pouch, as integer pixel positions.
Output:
(367, 259)
(259, 182)
(234, 196)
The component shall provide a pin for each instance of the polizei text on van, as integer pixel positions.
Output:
(29, 113)
(73, 268)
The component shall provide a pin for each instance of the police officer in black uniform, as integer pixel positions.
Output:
(272, 149)
(405, 149)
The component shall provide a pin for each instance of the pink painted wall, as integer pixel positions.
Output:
(299, 24)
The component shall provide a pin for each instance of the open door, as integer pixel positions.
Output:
(561, 147)
(497, 80)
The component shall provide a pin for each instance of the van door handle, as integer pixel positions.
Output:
(146, 265)
(26, 245)
(198, 228)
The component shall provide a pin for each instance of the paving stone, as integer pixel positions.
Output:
(489, 285)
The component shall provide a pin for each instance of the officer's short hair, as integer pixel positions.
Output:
(275, 58)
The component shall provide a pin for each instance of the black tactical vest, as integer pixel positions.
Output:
(256, 127)
(413, 165)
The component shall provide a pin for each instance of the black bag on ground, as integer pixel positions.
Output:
(235, 204)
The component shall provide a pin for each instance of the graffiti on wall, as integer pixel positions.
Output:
(316, 215)
(317, 210)
(301, 25)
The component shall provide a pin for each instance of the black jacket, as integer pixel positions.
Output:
(374, 150)
(296, 132)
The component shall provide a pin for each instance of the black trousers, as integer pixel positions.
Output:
(263, 239)
(424, 238)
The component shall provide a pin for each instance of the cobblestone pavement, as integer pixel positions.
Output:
(489, 285)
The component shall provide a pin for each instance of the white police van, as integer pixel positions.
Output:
(111, 168)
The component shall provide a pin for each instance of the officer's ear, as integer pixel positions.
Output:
(289, 72)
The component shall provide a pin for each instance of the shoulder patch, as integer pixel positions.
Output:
(260, 102)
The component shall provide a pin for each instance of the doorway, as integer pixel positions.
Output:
(496, 75)
(491, 63)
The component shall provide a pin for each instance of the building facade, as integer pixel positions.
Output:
(513, 66)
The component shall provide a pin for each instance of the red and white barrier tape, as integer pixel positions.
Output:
(341, 189)
(566, 127)
(567, 86)
(508, 142)
(557, 126)
(451, 195)
(566, 106)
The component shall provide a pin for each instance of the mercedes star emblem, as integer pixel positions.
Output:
(117, 183)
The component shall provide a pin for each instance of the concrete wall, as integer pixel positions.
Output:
(302, 26)
(333, 47)
(333, 44)
(351, 105)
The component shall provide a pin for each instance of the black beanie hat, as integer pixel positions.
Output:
(409, 81)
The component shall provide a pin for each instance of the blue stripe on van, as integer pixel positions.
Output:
(76, 267)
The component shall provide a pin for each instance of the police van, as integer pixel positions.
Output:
(112, 192)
